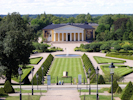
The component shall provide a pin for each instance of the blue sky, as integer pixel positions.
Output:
(67, 6)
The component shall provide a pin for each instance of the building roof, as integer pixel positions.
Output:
(93, 24)
(53, 26)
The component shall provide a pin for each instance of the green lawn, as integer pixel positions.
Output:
(107, 60)
(29, 91)
(72, 65)
(93, 97)
(24, 97)
(120, 69)
(35, 60)
(26, 71)
(99, 91)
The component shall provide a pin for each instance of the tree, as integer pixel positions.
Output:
(117, 47)
(15, 43)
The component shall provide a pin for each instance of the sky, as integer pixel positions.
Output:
(67, 6)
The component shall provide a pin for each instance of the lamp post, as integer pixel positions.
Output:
(87, 80)
(42, 75)
(89, 71)
(97, 72)
(32, 79)
(37, 79)
(112, 73)
(20, 73)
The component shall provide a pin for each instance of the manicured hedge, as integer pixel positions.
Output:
(46, 66)
(119, 90)
(88, 64)
(127, 92)
(121, 55)
(101, 80)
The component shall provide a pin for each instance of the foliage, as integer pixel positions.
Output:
(117, 47)
(105, 47)
(46, 64)
(88, 64)
(131, 97)
(126, 47)
(127, 92)
(94, 46)
(115, 86)
(8, 87)
(15, 43)
(128, 56)
(119, 90)
(35, 60)
(40, 46)
(101, 80)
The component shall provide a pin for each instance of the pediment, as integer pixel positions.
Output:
(69, 27)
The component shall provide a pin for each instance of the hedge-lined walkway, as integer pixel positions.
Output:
(36, 67)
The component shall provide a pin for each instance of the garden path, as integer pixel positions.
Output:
(61, 95)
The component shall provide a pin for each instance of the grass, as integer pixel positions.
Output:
(72, 65)
(93, 97)
(122, 70)
(26, 71)
(29, 91)
(100, 60)
(24, 97)
(35, 60)
(99, 91)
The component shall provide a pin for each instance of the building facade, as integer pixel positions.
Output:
(68, 32)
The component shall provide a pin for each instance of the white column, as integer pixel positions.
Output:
(74, 36)
(62, 36)
(58, 36)
(70, 36)
(54, 36)
(66, 36)
(78, 36)
(82, 36)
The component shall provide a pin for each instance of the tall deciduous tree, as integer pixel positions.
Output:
(15, 43)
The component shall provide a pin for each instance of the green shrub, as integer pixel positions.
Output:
(131, 97)
(101, 80)
(115, 86)
(46, 66)
(81, 45)
(88, 64)
(119, 90)
(86, 46)
(93, 46)
(8, 87)
(117, 48)
(2, 91)
(105, 47)
(127, 92)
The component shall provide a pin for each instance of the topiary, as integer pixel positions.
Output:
(119, 90)
(2, 92)
(115, 86)
(127, 92)
(101, 80)
(8, 87)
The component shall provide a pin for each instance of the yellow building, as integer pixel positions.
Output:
(69, 32)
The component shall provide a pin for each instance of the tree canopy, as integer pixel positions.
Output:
(15, 43)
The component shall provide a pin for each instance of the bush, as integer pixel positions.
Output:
(127, 92)
(101, 80)
(2, 92)
(105, 47)
(119, 90)
(117, 47)
(126, 47)
(131, 97)
(88, 64)
(115, 86)
(81, 45)
(86, 46)
(46, 66)
(93, 46)
(8, 87)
